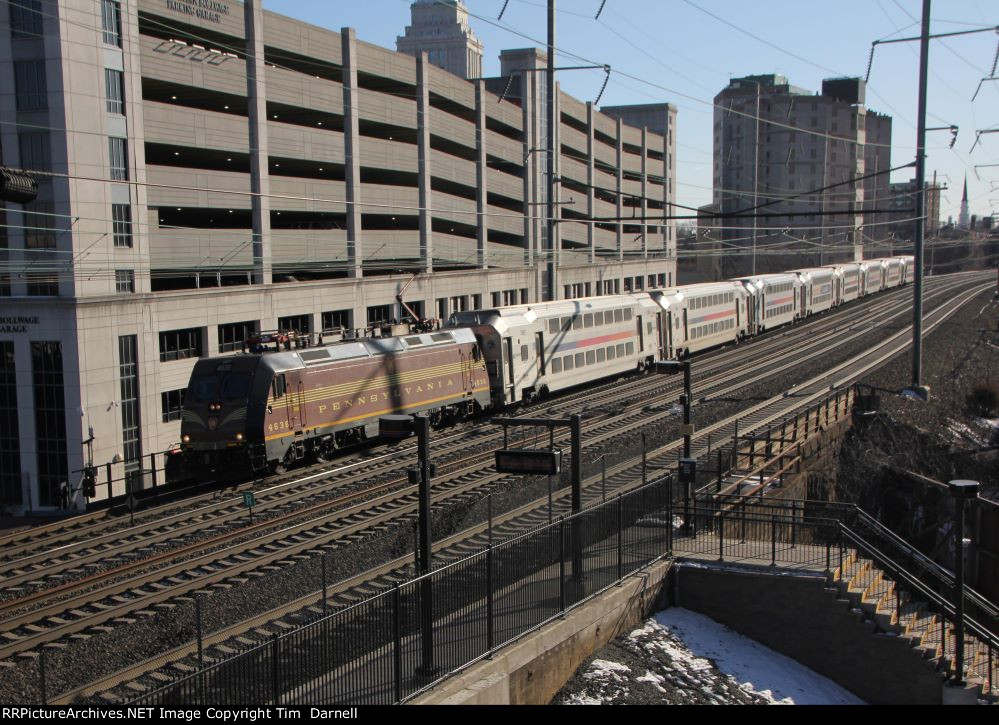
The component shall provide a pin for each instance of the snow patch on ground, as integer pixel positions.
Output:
(966, 434)
(680, 657)
(758, 669)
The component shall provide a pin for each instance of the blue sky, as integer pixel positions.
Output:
(685, 51)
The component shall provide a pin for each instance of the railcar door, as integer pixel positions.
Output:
(641, 334)
(296, 410)
(539, 343)
(662, 335)
(511, 394)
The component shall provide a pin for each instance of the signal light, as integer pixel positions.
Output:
(90, 481)
(16, 187)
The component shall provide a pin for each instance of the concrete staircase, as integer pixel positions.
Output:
(868, 590)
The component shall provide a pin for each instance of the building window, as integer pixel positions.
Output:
(10, 443)
(301, 324)
(336, 320)
(118, 155)
(114, 83)
(121, 224)
(233, 335)
(39, 225)
(35, 151)
(42, 284)
(180, 344)
(124, 280)
(50, 420)
(131, 426)
(25, 18)
(29, 80)
(173, 404)
(379, 314)
(111, 22)
(417, 307)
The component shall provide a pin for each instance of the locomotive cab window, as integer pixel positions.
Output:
(236, 386)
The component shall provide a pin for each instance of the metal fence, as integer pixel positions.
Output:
(393, 645)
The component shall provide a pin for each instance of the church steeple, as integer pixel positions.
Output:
(963, 218)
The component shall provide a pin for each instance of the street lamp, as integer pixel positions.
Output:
(961, 491)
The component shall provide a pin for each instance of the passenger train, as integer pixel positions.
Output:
(259, 412)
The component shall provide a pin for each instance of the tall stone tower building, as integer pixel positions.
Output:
(440, 28)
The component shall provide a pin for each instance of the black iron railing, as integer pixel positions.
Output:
(379, 652)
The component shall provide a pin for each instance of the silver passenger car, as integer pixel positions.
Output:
(534, 349)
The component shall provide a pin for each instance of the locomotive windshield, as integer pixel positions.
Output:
(202, 389)
(235, 386)
(206, 388)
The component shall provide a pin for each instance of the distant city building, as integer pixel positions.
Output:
(795, 158)
(902, 201)
(440, 29)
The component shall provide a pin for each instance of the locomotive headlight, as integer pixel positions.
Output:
(239, 436)
(186, 439)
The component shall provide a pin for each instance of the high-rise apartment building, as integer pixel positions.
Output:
(219, 170)
(788, 168)
(440, 29)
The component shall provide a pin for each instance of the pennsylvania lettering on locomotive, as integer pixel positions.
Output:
(384, 396)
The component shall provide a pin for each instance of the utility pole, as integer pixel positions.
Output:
(550, 207)
(917, 288)
(756, 173)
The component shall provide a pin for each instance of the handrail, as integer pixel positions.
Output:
(864, 520)
(945, 606)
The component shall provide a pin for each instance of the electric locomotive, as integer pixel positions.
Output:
(257, 413)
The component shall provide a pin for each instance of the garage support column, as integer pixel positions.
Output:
(481, 178)
(352, 152)
(645, 192)
(620, 189)
(529, 124)
(590, 195)
(256, 97)
(423, 164)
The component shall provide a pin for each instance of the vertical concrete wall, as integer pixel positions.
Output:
(800, 617)
(533, 669)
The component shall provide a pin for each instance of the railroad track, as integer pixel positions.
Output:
(54, 571)
(26, 629)
(621, 477)
(52, 563)
(705, 431)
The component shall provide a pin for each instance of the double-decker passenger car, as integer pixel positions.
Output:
(701, 316)
(820, 285)
(531, 350)
(779, 299)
